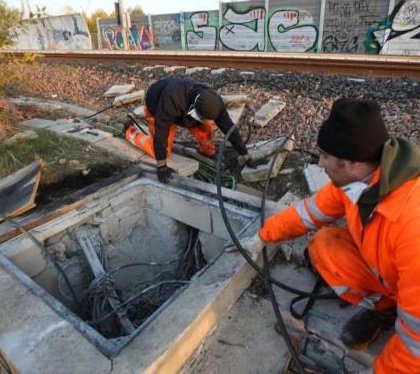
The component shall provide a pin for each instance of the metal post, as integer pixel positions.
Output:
(124, 24)
(321, 26)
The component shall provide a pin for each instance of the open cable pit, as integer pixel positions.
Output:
(123, 258)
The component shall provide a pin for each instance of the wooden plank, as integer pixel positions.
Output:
(18, 190)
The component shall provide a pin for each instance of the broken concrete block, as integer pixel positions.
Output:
(267, 148)
(129, 98)
(147, 68)
(190, 71)
(171, 69)
(117, 90)
(139, 111)
(268, 111)
(315, 177)
(234, 100)
(218, 71)
(261, 172)
(247, 74)
(236, 113)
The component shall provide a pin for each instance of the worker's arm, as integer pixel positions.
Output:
(401, 353)
(225, 123)
(320, 209)
(167, 111)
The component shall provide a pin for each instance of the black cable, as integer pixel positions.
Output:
(99, 112)
(264, 273)
(236, 241)
(48, 254)
(137, 125)
(132, 298)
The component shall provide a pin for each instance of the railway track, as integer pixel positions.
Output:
(365, 65)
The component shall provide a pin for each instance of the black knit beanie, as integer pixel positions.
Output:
(354, 131)
(208, 104)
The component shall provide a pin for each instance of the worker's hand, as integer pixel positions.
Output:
(243, 159)
(126, 125)
(252, 244)
(248, 161)
(164, 173)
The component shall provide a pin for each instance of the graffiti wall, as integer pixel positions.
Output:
(346, 23)
(331, 26)
(167, 31)
(138, 35)
(67, 32)
(201, 30)
(399, 33)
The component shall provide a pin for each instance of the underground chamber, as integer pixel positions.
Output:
(113, 265)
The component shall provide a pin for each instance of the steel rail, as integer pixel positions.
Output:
(323, 63)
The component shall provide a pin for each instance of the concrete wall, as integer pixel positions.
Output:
(331, 26)
(67, 32)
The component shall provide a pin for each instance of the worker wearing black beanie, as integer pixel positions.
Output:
(354, 131)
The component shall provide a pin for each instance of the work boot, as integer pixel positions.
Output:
(364, 327)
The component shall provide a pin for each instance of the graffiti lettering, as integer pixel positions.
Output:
(245, 31)
(333, 44)
(350, 26)
(203, 36)
(138, 38)
(286, 34)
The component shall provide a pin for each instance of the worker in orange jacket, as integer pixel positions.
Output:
(176, 101)
(373, 262)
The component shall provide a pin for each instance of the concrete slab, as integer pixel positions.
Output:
(219, 71)
(198, 69)
(74, 109)
(61, 126)
(91, 136)
(22, 101)
(261, 172)
(268, 111)
(236, 113)
(139, 111)
(37, 340)
(315, 177)
(235, 100)
(247, 74)
(120, 89)
(148, 68)
(129, 98)
(171, 69)
(38, 123)
(120, 148)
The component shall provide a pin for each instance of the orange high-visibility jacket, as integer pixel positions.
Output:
(389, 241)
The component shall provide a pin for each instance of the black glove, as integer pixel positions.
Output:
(164, 173)
(253, 164)
(126, 125)
(248, 161)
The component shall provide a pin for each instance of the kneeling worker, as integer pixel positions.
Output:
(373, 262)
(172, 102)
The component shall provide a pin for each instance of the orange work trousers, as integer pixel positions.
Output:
(203, 134)
(338, 260)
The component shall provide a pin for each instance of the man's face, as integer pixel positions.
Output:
(339, 170)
